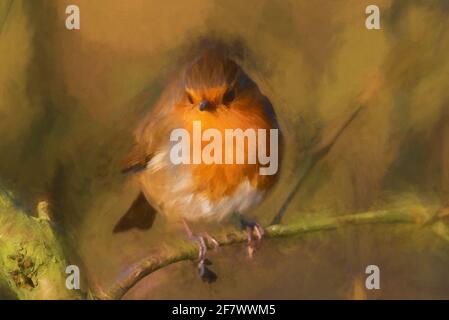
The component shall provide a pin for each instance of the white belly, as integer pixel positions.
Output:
(170, 190)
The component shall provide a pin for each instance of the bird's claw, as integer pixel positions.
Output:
(255, 233)
(211, 240)
(202, 247)
(203, 271)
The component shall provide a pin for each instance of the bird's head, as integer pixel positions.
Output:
(212, 82)
(216, 91)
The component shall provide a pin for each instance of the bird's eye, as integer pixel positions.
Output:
(189, 97)
(228, 97)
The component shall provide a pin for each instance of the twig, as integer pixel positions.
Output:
(189, 251)
(312, 160)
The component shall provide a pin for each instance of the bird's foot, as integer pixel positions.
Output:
(255, 233)
(203, 240)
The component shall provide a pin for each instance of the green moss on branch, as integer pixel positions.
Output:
(32, 260)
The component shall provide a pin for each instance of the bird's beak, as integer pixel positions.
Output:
(203, 105)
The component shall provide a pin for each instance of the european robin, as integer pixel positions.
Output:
(209, 88)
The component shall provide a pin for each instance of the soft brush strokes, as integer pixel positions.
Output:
(68, 107)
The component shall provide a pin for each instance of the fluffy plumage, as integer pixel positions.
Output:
(212, 88)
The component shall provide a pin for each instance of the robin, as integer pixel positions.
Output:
(209, 88)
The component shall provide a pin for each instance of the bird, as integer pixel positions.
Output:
(210, 87)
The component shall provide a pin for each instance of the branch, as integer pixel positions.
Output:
(32, 254)
(312, 160)
(189, 251)
(316, 154)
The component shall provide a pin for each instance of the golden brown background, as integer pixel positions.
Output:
(66, 120)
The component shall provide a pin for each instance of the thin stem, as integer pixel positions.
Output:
(312, 160)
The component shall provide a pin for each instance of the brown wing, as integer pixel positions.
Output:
(136, 160)
(140, 215)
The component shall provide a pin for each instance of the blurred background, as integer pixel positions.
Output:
(68, 110)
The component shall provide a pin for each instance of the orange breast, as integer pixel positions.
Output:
(218, 180)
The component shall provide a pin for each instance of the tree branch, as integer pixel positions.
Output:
(32, 253)
(189, 251)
